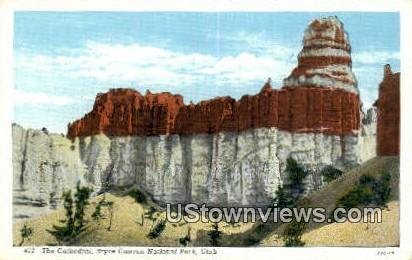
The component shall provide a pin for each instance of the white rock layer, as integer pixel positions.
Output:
(220, 169)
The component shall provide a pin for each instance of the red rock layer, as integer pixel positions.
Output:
(123, 112)
(325, 59)
(388, 105)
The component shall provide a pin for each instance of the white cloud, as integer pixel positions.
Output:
(153, 66)
(22, 98)
(375, 57)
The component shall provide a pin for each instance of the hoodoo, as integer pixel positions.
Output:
(388, 105)
(325, 60)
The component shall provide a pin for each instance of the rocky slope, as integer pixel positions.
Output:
(219, 151)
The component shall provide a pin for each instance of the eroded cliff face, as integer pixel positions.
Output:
(222, 151)
(226, 168)
(43, 166)
(388, 105)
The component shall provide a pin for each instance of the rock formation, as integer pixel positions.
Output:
(325, 59)
(124, 112)
(388, 105)
(225, 151)
(43, 166)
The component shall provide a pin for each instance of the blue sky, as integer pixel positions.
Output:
(63, 59)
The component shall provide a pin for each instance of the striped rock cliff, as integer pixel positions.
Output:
(225, 151)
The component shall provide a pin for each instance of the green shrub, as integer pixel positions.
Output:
(157, 230)
(214, 235)
(186, 239)
(97, 214)
(330, 173)
(74, 222)
(292, 235)
(150, 214)
(283, 197)
(138, 196)
(25, 233)
(296, 173)
(81, 201)
(369, 190)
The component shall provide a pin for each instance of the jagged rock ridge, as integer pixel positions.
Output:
(124, 112)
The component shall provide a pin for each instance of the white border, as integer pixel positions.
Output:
(7, 7)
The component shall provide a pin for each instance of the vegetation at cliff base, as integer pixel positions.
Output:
(25, 232)
(368, 191)
(139, 196)
(74, 222)
(157, 230)
(126, 212)
(292, 235)
(330, 173)
(214, 235)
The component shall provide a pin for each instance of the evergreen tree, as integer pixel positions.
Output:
(82, 196)
(214, 235)
(111, 212)
(282, 199)
(292, 235)
(68, 206)
(74, 221)
(25, 233)
(97, 214)
(296, 173)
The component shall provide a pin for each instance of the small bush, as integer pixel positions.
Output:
(157, 230)
(74, 222)
(97, 214)
(214, 235)
(44, 130)
(292, 235)
(296, 173)
(138, 196)
(150, 214)
(283, 198)
(25, 233)
(330, 173)
(384, 189)
(369, 190)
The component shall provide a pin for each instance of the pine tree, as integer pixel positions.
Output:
(214, 234)
(68, 206)
(74, 221)
(111, 212)
(82, 196)
(97, 214)
(292, 235)
(282, 199)
(25, 233)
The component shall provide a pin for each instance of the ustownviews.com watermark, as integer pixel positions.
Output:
(192, 213)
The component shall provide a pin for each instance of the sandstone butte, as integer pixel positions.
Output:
(320, 95)
(388, 105)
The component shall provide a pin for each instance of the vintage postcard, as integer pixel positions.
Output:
(141, 133)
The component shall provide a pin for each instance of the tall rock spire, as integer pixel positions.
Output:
(325, 59)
